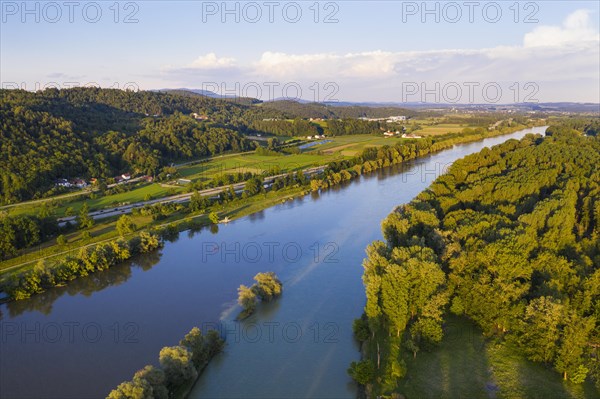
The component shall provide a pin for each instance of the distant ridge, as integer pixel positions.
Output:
(282, 102)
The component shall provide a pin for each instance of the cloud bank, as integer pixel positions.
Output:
(556, 58)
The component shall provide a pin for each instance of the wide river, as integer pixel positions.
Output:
(82, 340)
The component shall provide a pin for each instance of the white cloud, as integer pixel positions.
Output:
(211, 61)
(560, 54)
(576, 30)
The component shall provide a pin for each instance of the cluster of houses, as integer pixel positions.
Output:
(81, 183)
(122, 178)
(404, 135)
(389, 119)
(77, 182)
(315, 137)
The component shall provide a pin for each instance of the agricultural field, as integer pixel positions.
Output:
(253, 163)
(348, 146)
(439, 128)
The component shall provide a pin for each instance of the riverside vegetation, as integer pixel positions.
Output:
(510, 239)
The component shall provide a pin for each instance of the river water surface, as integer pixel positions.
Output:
(82, 340)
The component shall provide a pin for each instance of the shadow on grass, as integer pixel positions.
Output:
(465, 365)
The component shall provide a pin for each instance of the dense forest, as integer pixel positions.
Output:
(89, 132)
(508, 238)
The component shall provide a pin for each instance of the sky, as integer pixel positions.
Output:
(361, 51)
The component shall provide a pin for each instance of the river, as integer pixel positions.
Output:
(82, 340)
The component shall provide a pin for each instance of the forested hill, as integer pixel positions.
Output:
(92, 132)
(510, 238)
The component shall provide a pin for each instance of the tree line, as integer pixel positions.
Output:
(90, 259)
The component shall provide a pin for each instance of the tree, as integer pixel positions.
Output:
(273, 143)
(84, 220)
(247, 299)
(148, 242)
(61, 240)
(156, 378)
(360, 327)
(573, 343)
(137, 389)
(539, 330)
(267, 286)
(253, 186)
(177, 363)
(214, 343)
(195, 343)
(394, 297)
(213, 217)
(198, 202)
(125, 225)
(362, 372)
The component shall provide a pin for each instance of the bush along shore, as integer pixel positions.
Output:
(180, 367)
(90, 259)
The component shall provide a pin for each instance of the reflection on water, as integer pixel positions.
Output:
(85, 286)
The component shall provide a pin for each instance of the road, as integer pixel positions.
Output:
(86, 190)
(179, 198)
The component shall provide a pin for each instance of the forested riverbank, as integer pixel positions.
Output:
(508, 238)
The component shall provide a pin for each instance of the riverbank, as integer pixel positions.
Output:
(439, 259)
(292, 187)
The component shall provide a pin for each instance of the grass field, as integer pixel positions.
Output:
(347, 146)
(252, 163)
(466, 366)
(440, 128)
(140, 193)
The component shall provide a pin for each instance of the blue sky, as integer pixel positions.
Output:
(375, 51)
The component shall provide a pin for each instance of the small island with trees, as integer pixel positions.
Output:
(266, 288)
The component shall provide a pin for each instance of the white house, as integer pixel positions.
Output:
(63, 183)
